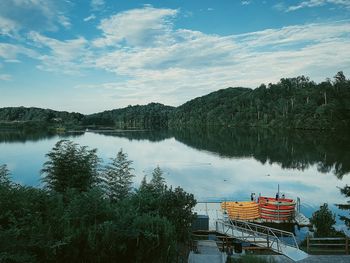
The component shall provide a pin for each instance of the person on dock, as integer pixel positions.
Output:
(277, 196)
(252, 197)
(283, 196)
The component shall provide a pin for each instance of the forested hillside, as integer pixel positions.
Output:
(151, 116)
(23, 117)
(292, 103)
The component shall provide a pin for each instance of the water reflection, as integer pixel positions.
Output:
(213, 164)
(292, 149)
(15, 136)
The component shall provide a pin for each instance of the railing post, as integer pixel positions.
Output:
(347, 245)
(307, 244)
(267, 238)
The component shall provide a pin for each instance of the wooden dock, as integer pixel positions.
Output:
(301, 220)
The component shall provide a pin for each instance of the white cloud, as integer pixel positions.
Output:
(90, 17)
(18, 15)
(64, 56)
(64, 21)
(192, 63)
(12, 61)
(5, 77)
(245, 2)
(154, 61)
(138, 27)
(97, 4)
(7, 26)
(316, 3)
(11, 51)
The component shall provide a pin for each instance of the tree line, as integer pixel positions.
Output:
(291, 103)
(89, 212)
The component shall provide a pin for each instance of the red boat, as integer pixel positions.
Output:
(274, 212)
(274, 201)
(281, 209)
(277, 207)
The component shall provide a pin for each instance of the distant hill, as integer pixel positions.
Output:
(37, 117)
(150, 116)
(290, 103)
(211, 109)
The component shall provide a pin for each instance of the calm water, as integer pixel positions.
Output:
(214, 164)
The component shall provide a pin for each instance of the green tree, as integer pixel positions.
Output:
(176, 205)
(323, 219)
(157, 182)
(70, 166)
(118, 177)
(346, 192)
(4, 175)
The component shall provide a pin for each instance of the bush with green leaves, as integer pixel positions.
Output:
(71, 166)
(72, 220)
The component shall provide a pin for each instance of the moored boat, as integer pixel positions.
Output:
(277, 207)
(274, 201)
(245, 210)
(280, 209)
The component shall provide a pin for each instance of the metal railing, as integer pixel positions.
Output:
(253, 233)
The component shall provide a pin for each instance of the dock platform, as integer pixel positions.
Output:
(213, 211)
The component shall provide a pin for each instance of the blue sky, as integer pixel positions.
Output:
(93, 55)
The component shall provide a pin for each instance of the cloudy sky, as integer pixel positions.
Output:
(93, 55)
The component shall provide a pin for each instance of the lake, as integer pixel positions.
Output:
(213, 164)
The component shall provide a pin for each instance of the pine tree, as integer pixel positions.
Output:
(144, 184)
(157, 181)
(346, 192)
(324, 220)
(4, 175)
(118, 177)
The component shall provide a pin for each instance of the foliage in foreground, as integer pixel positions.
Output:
(346, 192)
(72, 222)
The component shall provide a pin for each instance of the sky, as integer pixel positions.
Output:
(93, 55)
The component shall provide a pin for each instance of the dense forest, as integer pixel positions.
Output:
(290, 103)
(37, 119)
(151, 116)
(90, 212)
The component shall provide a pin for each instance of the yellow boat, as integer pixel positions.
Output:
(245, 210)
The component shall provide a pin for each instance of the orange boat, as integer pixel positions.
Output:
(277, 207)
(281, 209)
(245, 210)
(275, 211)
(274, 201)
